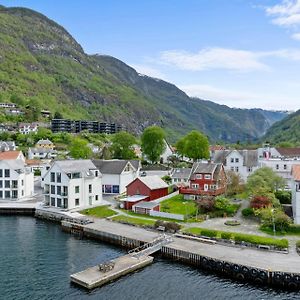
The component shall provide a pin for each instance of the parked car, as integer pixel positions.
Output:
(143, 174)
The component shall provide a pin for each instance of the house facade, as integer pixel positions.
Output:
(72, 184)
(46, 144)
(180, 176)
(296, 193)
(41, 153)
(16, 180)
(117, 174)
(7, 146)
(26, 128)
(206, 179)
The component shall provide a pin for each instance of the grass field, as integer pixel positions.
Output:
(99, 212)
(134, 221)
(177, 205)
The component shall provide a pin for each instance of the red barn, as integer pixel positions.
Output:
(205, 179)
(146, 188)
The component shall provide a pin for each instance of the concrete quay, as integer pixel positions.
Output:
(93, 277)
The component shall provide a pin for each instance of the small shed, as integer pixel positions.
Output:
(144, 207)
(130, 201)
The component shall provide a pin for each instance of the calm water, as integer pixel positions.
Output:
(36, 259)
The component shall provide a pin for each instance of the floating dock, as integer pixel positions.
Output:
(93, 277)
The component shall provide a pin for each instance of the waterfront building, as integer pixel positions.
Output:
(206, 179)
(72, 184)
(16, 180)
(117, 174)
(296, 193)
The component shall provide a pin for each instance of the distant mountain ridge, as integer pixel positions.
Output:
(41, 64)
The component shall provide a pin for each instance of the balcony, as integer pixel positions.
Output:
(209, 192)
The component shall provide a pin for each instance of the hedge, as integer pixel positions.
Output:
(226, 235)
(209, 232)
(246, 212)
(298, 244)
(295, 229)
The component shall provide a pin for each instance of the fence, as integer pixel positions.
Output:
(166, 215)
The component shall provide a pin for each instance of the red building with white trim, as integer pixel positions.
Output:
(206, 179)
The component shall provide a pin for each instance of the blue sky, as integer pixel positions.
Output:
(242, 53)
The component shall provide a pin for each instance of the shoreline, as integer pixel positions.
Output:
(244, 265)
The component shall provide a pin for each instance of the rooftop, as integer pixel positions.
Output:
(146, 204)
(134, 198)
(73, 166)
(296, 172)
(114, 166)
(153, 182)
(10, 155)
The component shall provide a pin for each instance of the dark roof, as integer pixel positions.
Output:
(289, 152)
(114, 166)
(250, 157)
(146, 204)
(181, 173)
(207, 168)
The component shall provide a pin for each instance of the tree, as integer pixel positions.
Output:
(264, 180)
(80, 149)
(153, 143)
(122, 145)
(58, 115)
(194, 145)
(258, 202)
(235, 184)
(280, 219)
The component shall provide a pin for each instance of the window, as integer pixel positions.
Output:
(232, 160)
(22, 182)
(195, 186)
(236, 169)
(52, 175)
(58, 177)
(284, 167)
(236, 160)
(96, 197)
(7, 194)
(207, 176)
(1, 173)
(6, 173)
(23, 193)
(232, 168)
(52, 201)
(59, 204)
(108, 189)
(65, 202)
(14, 184)
(14, 194)
(90, 188)
(250, 169)
(52, 189)
(76, 189)
(75, 175)
(277, 167)
(1, 194)
(7, 184)
(116, 189)
(198, 176)
(58, 190)
(1, 184)
(96, 173)
(77, 202)
(65, 191)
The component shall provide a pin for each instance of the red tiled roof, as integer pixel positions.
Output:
(9, 155)
(296, 172)
(30, 162)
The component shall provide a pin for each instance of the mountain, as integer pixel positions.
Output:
(286, 130)
(43, 67)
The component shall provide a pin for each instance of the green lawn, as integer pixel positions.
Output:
(177, 205)
(132, 220)
(99, 211)
(133, 214)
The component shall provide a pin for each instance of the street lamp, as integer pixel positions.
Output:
(185, 210)
(273, 221)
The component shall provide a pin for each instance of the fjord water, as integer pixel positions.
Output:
(36, 259)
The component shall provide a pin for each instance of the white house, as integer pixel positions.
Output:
(41, 153)
(167, 153)
(26, 128)
(7, 146)
(180, 176)
(72, 184)
(117, 174)
(296, 193)
(243, 162)
(45, 144)
(16, 180)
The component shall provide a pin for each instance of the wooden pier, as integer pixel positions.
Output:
(93, 277)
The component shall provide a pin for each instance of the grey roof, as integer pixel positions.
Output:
(250, 157)
(153, 182)
(146, 204)
(113, 166)
(45, 142)
(207, 168)
(42, 150)
(73, 166)
(135, 163)
(15, 164)
(134, 198)
(182, 173)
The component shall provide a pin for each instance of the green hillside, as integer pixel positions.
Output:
(43, 67)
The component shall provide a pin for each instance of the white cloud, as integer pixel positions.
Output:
(214, 58)
(224, 58)
(296, 36)
(240, 99)
(149, 71)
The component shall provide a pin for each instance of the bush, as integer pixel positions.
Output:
(226, 235)
(247, 212)
(284, 197)
(298, 244)
(258, 202)
(293, 229)
(209, 232)
(172, 226)
(206, 205)
(167, 179)
(232, 223)
(37, 172)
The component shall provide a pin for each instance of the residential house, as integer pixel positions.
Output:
(117, 174)
(12, 155)
(243, 162)
(7, 146)
(180, 176)
(41, 153)
(72, 184)
(144, 189)
(16, 180)
(296, 193)
(46, 144)
(206, 179)
(144, 207)
(26, 128)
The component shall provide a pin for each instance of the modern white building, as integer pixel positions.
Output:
(26, 128)
(243, 162)
(16, 180)
(72, 184)
(296, 193)
(117, 174)
(41, 153)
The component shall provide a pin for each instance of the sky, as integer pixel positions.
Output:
(241, 53)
